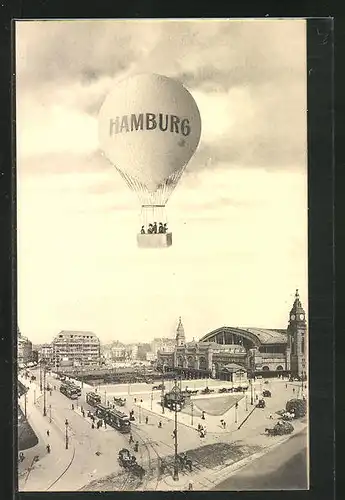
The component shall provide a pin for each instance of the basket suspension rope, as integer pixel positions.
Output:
(152, 204)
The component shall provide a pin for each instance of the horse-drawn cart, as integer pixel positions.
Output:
(129, 462)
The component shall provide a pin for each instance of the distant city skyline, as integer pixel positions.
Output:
(238, 216)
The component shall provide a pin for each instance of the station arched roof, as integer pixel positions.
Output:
(259, 336)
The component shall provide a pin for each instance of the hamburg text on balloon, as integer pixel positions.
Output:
(149, 121)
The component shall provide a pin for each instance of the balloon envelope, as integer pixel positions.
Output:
(149, 128)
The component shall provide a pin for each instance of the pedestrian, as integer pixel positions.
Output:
(92, 425)
(159, 424)
(293, 389)
(72, 406)
(147, 420)
(136, 446)
(224, 424)
(203, 415)
(174, 434)
(271, 416)
(285, 386)
(131, 439)
(135, 400)
(190, 486)
(48, 432)
(48, 448)
(141, 401)
(199, 427)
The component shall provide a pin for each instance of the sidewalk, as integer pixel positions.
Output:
(41, 474)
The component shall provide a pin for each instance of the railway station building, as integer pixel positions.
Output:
(236, 353)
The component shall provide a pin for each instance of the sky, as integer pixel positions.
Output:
(238, 215)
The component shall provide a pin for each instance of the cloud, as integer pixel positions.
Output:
(248, 78)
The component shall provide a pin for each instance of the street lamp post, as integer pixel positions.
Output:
(44, 393)
(50, 413)
(192, 414)
(25, 396)
(246, 402)
(162, 394)
(140, 413)
(151, 400)
(236, 406)
(34, 396)
(175, 476)
(105, 397)
(40, 375)
(66, 425)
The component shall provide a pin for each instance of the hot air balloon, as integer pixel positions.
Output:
(149, 128)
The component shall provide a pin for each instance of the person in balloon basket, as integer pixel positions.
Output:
(165, 228)
(161, 228)
(142, 230)
(154, 230)
(150, 229)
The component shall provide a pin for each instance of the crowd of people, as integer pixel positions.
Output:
(154, 228)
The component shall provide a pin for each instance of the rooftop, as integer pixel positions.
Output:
(263, 336)
(75, 333)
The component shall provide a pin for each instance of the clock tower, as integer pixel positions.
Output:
(297, 342)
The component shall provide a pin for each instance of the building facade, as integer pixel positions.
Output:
(76, 348)
(162, 344)
(120, 352)
(265, 352)
(24, 349)
(46, 353)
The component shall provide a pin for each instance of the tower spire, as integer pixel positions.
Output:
(180, 335)
(297, 311)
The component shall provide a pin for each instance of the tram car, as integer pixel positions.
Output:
(118, 420)
(102, 411)
(93, 399)
(76, 388)
(68, 391)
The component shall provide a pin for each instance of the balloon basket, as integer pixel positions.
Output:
(154, 240)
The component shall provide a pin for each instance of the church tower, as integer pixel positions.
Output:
(180, 335)
(297, 342)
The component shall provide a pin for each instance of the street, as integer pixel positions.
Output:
(276, 470)
(91, 457)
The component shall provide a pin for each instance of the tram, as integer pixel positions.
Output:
(118, 420)
(93, 399)
(102, 411)
(69, 391)
(76, 388)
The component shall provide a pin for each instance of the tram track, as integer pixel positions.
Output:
(64, 472)
(148, 446)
